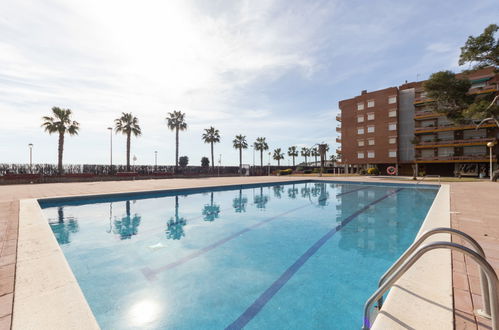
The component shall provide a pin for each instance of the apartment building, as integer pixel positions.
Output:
(397, 127)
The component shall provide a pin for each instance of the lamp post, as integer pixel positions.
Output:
(490, 145)
(155, 161)
(110, 148)
(30, 156)
(269, 164)
(219, 163)
(134, 160)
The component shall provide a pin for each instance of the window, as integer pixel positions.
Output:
(360, 106)
(370, 154)
(360, 119)
(392, 126)
(392, 140)
(392, 113)
(360, 143)
(360, 130)
(360, 155)
(392, 100)
(370, 142)
(370, 103)
(370, 116)
(370, 129)
(392, 153)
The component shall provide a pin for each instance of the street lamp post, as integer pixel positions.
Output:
(155, 161)
(30, 156)
(269, 164)
(134, 160)
(219, 163)
(490, 145)
(110, 148)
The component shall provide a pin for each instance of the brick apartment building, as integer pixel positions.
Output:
(396, 127)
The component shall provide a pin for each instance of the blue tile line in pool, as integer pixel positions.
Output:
(150, 274)
(265, 297)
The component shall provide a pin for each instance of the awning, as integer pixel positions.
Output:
(480, 80)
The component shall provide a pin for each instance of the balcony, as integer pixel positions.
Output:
(338, 150)
(448, 127)
(422, 100)
(453, 143)
(483, 90)
(454, 159)
(338, 140)
(338, 129)
(425, 114)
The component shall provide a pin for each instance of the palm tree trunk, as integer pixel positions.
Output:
(293, 161)
(176, 208)
(315, 159)
(128, 138)
(278, 162)
(261, 158)
(212, 163)
(306, 161)
(240, 158)
(60, 151)
(127, 208)
(176, 149)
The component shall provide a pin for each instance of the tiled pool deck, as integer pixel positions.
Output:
(472, 204)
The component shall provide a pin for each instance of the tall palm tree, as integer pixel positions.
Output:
(240, 143)
(315, 153)
(61, 123)
(293, 152)
(128, 125)
(176, 122)
(305, 152)
(211, 135)
(175, 226)
(278, 155)
(261, 145)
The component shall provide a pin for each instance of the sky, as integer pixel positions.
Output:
(275, 69)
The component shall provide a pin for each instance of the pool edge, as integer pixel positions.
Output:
(423, 297)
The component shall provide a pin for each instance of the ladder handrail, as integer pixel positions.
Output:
(482, 262)
(429, 176)
(439, 230)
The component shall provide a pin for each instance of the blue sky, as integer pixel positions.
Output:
(260, 68)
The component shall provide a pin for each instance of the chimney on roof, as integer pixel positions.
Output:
(363, 92)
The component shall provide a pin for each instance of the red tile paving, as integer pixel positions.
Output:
(473, 206)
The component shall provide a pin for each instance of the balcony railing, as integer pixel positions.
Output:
(450, 127)
(338, 140)
(482, 156)
(483, 90)
(452, 141)
(422, 100)
(338, 118)
(338, 129)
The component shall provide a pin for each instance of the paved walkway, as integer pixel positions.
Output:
(473, 205)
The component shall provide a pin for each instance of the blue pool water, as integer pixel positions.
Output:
(289, 256)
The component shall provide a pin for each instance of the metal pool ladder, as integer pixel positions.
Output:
(429, 176)
(488, 278)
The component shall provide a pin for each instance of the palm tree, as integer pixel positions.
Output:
(240, 143)
(293, 152)
(176, 122)
(128, 125)
(211, 211)
(278, 155)
(261, 145)
(239, 203)
(333, 159)
(315, 152)
(175, 226)
(128, 225)
(305, 152)
(211, 135)
(60, 123)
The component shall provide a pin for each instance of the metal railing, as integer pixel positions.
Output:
(443, 230)
(491, 276)
(429, 176)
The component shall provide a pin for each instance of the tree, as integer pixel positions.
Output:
(482, 50)
(183, 161)
(278, 155)
(315, 153)
(293, 152)
(60, 123)
(176, 122)
(175, 226)
(261, 145)
(240, 143)
(333, 159)
(305, 152)
(128, 125)
(127, 226)
(211, 211)
(211, 135)
(205, 162)
(239, 203)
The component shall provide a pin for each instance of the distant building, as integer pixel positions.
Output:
(396, 127)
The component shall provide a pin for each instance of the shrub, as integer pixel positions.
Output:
(285, 172)
(183, 161)
(307, 172)
(205, 162)
(363, 171)
(299, 168)
(316, 170)
(373, 171)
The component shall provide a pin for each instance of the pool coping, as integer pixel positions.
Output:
(59, 302)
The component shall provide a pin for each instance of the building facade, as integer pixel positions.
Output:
(397, 127)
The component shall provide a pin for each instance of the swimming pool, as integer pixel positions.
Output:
(297, 255)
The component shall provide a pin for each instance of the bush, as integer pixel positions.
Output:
(307, 172)
(363, 172)
(205, 162)
(373, 171)
(316, 170)
(183, 161)
(285, 172)
(299, 168)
